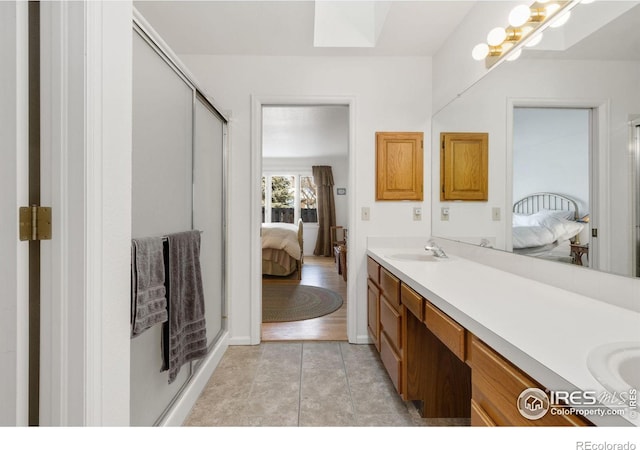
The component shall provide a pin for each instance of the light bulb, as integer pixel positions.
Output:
(515, 55)
(564, 18)
(519, 16)
(534, 41)
(552, 8)
(543, 1)
(480, 52)
(496, 36)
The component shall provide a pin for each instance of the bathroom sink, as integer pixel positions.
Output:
(412, 257)
(616, 365)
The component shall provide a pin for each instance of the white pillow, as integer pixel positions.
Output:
(526, 220)
(561, 228)
(562, 213)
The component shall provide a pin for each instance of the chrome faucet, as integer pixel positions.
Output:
(435, 249)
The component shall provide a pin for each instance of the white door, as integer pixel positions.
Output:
(13, 194)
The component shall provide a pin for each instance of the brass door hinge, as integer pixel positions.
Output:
(35, 223)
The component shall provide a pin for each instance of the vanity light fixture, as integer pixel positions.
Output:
(526, 23)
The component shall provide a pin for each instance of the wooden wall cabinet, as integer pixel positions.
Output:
(399, 166)
(464, 166)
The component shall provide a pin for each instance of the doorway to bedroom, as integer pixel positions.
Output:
(552, 183)
(304, 212)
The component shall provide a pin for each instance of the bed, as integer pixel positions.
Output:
(282, 249)
(544, 225)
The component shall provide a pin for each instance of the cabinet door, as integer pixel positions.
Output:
(373, 312)
(399, 166)
(464, 166)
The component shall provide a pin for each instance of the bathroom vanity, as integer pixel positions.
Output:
(462, 339)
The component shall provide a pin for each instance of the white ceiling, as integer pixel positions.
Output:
(305, 131)
(286, 28)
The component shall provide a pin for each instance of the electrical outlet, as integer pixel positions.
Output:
(365, 213)
(444, 213)
(417, 213)
(495, 213)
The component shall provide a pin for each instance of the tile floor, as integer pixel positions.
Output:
(304, 384)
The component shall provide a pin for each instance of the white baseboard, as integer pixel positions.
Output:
(183, 405)
(363, 339)
(240, 340)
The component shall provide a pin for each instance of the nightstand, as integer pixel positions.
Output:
(577, 250)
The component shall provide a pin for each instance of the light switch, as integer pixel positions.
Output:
(365, 213)
(444, 213)
(495, 214)
(417, 213)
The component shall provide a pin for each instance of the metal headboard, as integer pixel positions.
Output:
(533, 203)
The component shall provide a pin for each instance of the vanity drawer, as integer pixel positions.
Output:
(373, 270)
(496, 386)
(391, 362)
(450, 332)
(413, 301)
(479, 417)
(390, 287)
(391, 324)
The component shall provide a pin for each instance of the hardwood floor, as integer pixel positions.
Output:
(317, 271)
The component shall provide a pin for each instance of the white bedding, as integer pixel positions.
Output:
(542, 228)
(281, 236)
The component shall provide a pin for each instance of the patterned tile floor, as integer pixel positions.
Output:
(304, 384)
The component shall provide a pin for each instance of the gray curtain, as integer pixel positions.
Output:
(323, 178)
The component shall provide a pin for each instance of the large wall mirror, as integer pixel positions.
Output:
(564, 121)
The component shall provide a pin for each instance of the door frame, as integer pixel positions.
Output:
(257, 102)
(634, 145)
(86, 178)
(599, 249)
(14, 175)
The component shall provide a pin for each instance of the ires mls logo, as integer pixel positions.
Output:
(533, 403)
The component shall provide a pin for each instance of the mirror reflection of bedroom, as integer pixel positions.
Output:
(304, 222)
(551, 184)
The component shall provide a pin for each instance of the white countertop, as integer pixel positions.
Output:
(546, 331)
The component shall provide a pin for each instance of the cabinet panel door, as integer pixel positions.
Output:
(464, 166)
(373, 312)
(399, 166)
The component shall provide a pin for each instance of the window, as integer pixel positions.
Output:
(286, 198)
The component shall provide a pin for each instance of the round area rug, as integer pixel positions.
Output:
(290, 302)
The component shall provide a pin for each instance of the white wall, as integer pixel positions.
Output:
(391, 94)
(551, 153)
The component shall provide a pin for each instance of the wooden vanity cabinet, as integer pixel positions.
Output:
(435, 362)
(496, 386)
(385, 321)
